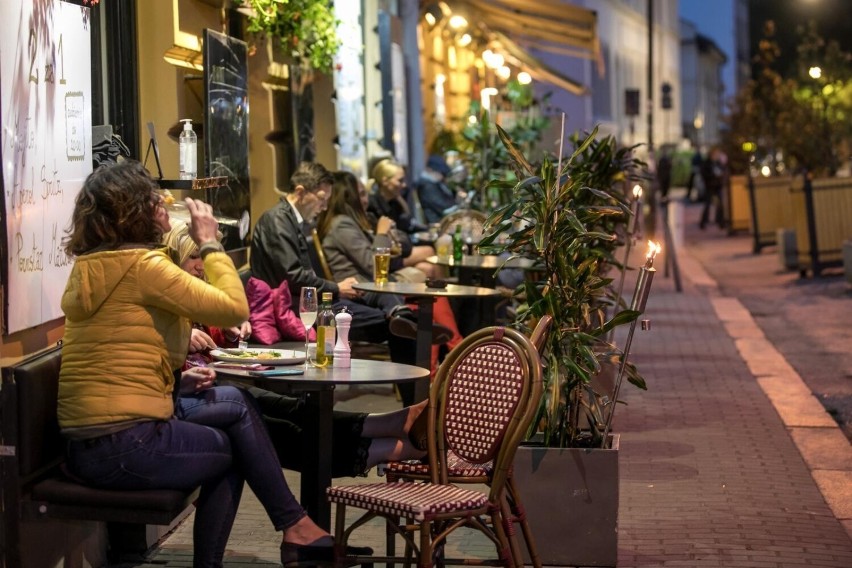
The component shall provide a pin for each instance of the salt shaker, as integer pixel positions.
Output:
(342, 354)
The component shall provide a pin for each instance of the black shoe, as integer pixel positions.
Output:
(307, 554)
(403, 323)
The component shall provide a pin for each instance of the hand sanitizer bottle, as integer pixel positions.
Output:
(188, 144)
(342, 354)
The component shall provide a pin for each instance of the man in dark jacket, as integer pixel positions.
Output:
(279, 252)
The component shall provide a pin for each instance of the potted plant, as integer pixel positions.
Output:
(570, 222)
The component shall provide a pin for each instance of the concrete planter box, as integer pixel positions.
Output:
(571, 499)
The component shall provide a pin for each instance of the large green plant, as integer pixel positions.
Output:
(307, 28)
(568, 223)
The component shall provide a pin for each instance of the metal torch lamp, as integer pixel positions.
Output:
(640, 298)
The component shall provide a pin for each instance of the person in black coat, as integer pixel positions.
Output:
(436, 198)
(713, 175)
(279, 252)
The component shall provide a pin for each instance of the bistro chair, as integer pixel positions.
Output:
(481, 403)
(471, 221)
(320, 264)
(461, 471)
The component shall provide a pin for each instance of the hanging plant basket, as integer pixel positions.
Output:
(307, 29)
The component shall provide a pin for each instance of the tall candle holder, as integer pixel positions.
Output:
(632, 230)
(640, 299)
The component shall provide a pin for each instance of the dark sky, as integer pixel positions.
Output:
(715, 19)
(831, 16)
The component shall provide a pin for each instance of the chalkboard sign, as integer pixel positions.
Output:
(45, 80)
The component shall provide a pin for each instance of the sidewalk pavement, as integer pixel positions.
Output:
(727, 460)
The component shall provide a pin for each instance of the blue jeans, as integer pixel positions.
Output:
(217, 441)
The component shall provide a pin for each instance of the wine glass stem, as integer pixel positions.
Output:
(306, 347)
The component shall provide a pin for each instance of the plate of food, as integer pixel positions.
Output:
(259, 355)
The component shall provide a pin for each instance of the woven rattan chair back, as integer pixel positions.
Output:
(481, 395)
(471, 222)
(481, 400)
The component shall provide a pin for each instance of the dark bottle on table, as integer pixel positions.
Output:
(458, 247)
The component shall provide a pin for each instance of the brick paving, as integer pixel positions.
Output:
(727, 460)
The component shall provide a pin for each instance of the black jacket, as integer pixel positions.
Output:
(279, 251)
(436, 199)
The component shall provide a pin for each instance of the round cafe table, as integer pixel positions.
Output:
(317, 386)
(425, 297)
(479, 269)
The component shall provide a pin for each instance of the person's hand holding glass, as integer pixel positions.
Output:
(308, 313)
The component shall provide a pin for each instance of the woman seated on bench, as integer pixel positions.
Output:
(360, 440)
(128, 312)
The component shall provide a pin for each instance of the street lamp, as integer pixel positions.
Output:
(815, 72)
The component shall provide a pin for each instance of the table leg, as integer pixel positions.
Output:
(424, 344)
(316, 473)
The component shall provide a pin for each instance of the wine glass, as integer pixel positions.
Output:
(308, 313)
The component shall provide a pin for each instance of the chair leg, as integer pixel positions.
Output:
(507, 519)
(519, 515)
(504, 548)
(390, 540)
(425, 545)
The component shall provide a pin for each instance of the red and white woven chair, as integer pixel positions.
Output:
(480, 404)
(461, 471)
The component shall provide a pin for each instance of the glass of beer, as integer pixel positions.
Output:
(381, 264)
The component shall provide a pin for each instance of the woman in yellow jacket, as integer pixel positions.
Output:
(128, 310)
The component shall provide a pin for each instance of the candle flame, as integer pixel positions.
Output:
(653, 250)
(637, 191)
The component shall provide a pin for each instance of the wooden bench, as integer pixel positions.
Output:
(34, 487)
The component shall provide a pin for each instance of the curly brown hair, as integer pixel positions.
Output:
(114, 207)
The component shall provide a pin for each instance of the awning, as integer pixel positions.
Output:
(550, 24)
(517, 26)
(523, 59)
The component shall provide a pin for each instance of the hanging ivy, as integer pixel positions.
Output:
(306, 28)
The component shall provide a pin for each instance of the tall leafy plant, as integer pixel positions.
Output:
(568, 227)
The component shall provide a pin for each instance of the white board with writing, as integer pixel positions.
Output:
(45, 80)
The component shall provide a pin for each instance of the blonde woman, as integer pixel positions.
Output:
(360, 440)
(388, 179)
